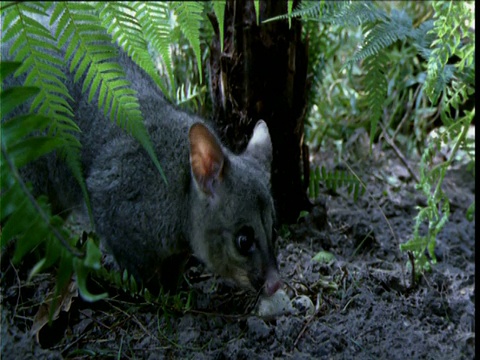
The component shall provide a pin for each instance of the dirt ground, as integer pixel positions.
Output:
(364, 303)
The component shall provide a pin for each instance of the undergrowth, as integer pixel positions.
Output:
(414, 66)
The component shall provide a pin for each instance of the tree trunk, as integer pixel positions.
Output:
(261, 74)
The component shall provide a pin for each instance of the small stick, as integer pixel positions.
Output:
(304, 328)
(398, 152)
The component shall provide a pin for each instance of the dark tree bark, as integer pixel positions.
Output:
(261, 74)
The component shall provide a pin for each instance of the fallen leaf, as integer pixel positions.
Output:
(63, 303)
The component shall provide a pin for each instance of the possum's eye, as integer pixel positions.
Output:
(245, 240)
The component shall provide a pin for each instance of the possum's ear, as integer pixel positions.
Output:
(206, 158)
(260, 145)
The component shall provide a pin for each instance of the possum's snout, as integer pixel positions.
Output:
(272, 282)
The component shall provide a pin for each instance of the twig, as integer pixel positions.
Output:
(304, 328)
(398, 152)
(95, 320)
(19, 286)
(407, 114)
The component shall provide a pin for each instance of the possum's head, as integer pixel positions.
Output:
(232, 209)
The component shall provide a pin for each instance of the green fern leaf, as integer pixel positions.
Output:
(186, 94)
(26, 219)
(382, 35)
(83, 271)
(256, 6)
(355, 13)
(34, 46)
(154, 18)
(219, 10)
(127, 31)
(376, 87)
(18, 221)
(94, 57)
(13, 97)
(423, 37)
(333, 180)
(307, 10)
(36, 231)
(189, 17)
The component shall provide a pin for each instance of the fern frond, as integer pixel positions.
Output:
(451, 24)
(188, 93)
(189, 18)
(420, 244)
(124, 282)
(333, 180)
(343, 13)
(28, 221)
(20, 148)
(93, 57)
(376, 87)
(382, 35)
(307, 10)
(34, 46)
(126, 30)
(154, 18)
(219, 10)
(289, 11)
(35, 49)
(355, 13)
(256, 6)
(423, 37)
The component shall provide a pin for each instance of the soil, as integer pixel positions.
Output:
(360, 303)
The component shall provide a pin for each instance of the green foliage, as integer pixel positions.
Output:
(381, 32)
(127, 31)
(85, 31)
(189, 19)
(36, 51)
(125, 282)
(187, 70)
(305, 10)
(26, 220)
(179, 302)
(452, 85)
(324, 257)
(453, 38)
(420, 58)
(376, 85)
(359, 97)
(333, 180)
(256, 5)
(155, 21)
(219, 10)
(185, 95)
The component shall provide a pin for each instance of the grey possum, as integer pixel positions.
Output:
(215, 205)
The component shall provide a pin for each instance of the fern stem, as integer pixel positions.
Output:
(39, 210)
(446, 164)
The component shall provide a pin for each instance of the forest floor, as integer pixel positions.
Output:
(365, 305)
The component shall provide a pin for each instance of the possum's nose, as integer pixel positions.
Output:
(272, 282)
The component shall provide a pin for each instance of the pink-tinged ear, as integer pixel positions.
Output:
(206, 158)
